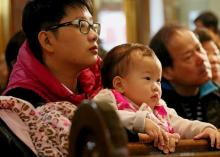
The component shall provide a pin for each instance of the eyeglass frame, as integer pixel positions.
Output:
(76, 22)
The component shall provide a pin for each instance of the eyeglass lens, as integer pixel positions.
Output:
(85, 27)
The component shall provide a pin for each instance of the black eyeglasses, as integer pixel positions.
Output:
(84, 26)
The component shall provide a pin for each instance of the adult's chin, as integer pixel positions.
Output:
(92, 61)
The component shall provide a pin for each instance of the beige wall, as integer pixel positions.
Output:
(10, 20)
(137, 20)
(137, 13)
(4, 23)
(185, 6)
(17, 8)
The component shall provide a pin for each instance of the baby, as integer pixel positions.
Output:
(131, 74)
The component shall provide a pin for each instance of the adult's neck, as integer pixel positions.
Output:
(186, 90)
(69, 80)
(66, 75)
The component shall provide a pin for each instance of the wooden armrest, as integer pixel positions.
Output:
(184, 146)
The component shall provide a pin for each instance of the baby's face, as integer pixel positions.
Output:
(142, 83)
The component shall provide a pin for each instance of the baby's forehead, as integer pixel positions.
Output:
(141, 55)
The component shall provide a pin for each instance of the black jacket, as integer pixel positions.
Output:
(11, 145)
(204, 107)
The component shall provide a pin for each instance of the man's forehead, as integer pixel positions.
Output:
(182, 38)
(181, 42)
(182, 33)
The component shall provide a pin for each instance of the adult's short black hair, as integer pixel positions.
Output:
(41, 14)
(208, 19)
(203, 35)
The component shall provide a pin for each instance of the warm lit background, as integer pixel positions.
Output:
(121, 20)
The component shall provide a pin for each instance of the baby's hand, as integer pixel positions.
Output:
(145, 138)
(173, 140)
(211, 133)
(155, 132)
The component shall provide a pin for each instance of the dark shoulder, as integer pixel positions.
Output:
(11, 145)
(27, 95)
(217, 92)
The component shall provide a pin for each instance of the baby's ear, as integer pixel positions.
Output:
(117, 83)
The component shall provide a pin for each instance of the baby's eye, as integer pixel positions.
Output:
(147, 78)
(159, 81)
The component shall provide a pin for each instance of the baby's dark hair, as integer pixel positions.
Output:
(119, 59)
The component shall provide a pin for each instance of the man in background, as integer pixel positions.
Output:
(186, 84)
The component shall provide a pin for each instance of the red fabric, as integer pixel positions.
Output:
(90, 79)
(122, 102)
(30, 74)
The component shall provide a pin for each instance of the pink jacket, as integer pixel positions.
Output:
(30, 74)
(185, 128)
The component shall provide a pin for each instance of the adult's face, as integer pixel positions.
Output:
(214, 57)
(69, 48)
(191, 67)
(199, 25)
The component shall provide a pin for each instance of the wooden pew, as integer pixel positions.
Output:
(186, 147)
(96, 131)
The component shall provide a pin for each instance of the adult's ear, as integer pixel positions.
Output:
(45, 39)
(167, 73)
(117, 83)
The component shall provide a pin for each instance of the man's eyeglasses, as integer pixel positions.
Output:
(84, 26)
